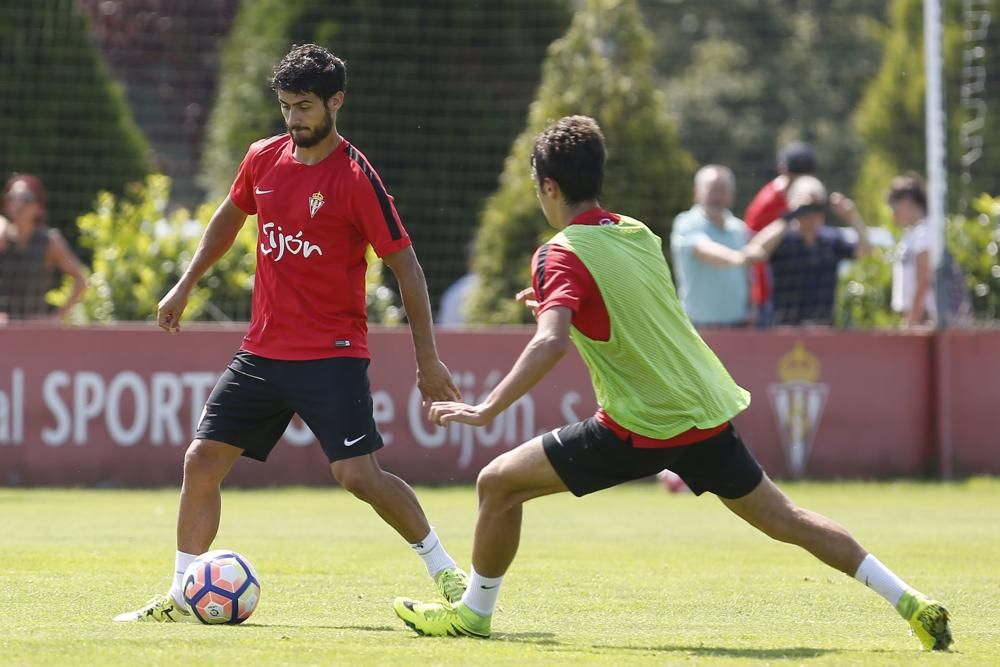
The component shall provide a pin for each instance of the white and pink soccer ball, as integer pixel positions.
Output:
(221, 586)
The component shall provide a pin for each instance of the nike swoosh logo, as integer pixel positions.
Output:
(258, 191)
(348, 443)
(487, 588)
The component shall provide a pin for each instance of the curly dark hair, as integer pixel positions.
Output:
(571, 153)
(309, 68)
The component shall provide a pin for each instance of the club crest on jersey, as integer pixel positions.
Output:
(316, 201)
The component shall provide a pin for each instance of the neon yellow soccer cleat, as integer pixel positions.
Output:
(161, 609)
(928, 618)
(451, 583)
(442, 620)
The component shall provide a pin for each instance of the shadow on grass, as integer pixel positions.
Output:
(317, 626)
(549, 639)
(789, 653)
(538, 638)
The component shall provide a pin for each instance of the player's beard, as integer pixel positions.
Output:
(314, 136)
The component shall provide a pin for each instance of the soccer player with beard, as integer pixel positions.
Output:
(665, 400)
(319, 204)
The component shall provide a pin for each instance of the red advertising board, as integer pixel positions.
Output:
(117, 406)
(969, 387)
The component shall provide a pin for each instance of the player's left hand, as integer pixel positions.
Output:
(443, 413)
(435, 382)
(527, 297)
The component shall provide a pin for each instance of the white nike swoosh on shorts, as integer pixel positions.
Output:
(258, 191)
(348, 443)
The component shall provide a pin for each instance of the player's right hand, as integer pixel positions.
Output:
(435, 382)
(170, 309)
(527, 297)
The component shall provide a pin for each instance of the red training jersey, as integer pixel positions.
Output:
(767, 206)
(314, 225)
(560, 278)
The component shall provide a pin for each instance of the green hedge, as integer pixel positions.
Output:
(140, 250)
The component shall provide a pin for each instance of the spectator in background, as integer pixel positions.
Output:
(707, 246)
(805, 254)
(455, 298)
(769, 204)
(29, 251)
(912, 277)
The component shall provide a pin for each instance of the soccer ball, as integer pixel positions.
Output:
(221, 586)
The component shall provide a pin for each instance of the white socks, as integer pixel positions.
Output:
(181, 562)
(481, 595)
(432, 552)
(876, 576)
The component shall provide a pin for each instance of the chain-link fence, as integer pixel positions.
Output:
(96, 95)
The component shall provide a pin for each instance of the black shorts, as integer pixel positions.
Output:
(589, 457)
(255, 399)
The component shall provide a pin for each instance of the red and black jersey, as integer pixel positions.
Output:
(314, 225)
(560, 278)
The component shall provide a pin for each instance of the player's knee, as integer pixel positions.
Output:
(357, 481)
(202, 465)
(491, 484)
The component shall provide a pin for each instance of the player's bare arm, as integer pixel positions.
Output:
(540, 355)
(433, 378)
(217, 239)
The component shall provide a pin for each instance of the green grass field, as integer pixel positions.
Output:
(628, 576)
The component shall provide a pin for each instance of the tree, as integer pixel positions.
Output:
(601, 67)
(745, 77)
(891, 116)
(63, 118)
(891, 122)
(435, 93)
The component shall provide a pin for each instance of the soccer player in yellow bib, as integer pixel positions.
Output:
(665, 399)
